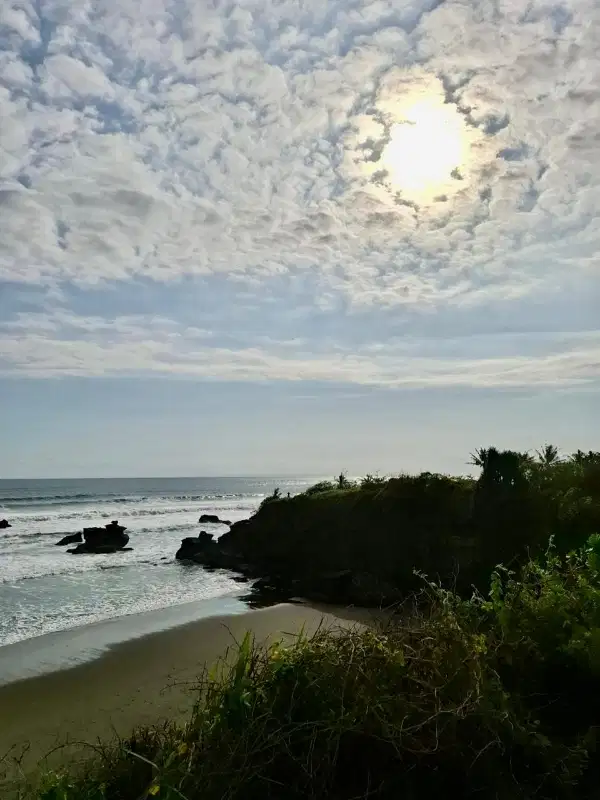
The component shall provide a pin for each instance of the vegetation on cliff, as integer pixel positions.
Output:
(362, 542)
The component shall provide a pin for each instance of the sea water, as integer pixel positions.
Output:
(44, 589)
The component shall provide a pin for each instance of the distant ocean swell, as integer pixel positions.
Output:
(135, 512)
(83, 499)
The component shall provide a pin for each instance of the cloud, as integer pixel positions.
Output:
(165, 138)
(202, 190)
(43, 345)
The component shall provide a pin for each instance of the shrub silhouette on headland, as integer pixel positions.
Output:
(372, 535)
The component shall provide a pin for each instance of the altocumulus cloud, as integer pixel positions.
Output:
(239, 145)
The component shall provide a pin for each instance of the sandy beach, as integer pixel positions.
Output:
(133, 683)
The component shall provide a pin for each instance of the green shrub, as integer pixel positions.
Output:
(319, 488)
(545, 625)
(372, 482)
(271, 498)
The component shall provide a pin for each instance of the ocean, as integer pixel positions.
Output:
(43, 589)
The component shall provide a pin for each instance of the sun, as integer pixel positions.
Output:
(426, 149)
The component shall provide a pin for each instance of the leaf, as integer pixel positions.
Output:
(54, 793)
(153, 790)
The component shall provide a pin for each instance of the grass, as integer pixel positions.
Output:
(491, 697)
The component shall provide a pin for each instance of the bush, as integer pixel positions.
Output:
(271, 498)
(319, 488)
(372, 481)
(545, 628)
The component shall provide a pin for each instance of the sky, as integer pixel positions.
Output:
(296, 236)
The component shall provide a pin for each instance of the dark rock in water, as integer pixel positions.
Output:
(109, 539)
(194, 544)
(213, 519)
(197, 547)
(4, 523)
(71, 538)
(100, 549)
(210, 553)
(203, 549)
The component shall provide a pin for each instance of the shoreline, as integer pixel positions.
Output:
(69, 647)
(142, 681)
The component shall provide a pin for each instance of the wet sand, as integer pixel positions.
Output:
(137, 682)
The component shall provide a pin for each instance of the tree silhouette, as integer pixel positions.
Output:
(548, 455)
(342, 481)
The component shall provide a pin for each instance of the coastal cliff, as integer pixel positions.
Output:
(366, 543)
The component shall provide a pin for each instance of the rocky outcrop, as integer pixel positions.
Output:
(109, 539)
(271, 548)
(194, 545)
(203, 549)
(279, 583)
(4, 523)
(71, 538)
(212, 519)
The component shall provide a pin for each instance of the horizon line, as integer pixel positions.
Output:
(164, 477)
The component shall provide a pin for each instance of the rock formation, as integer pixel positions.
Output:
(71, 538)
(109, 539)
(204, 550)
(212, 519)
(4, 523)
(257, 551)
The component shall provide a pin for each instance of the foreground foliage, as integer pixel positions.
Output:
(497, 696)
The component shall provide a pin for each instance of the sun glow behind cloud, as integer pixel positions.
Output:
(427, 149)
